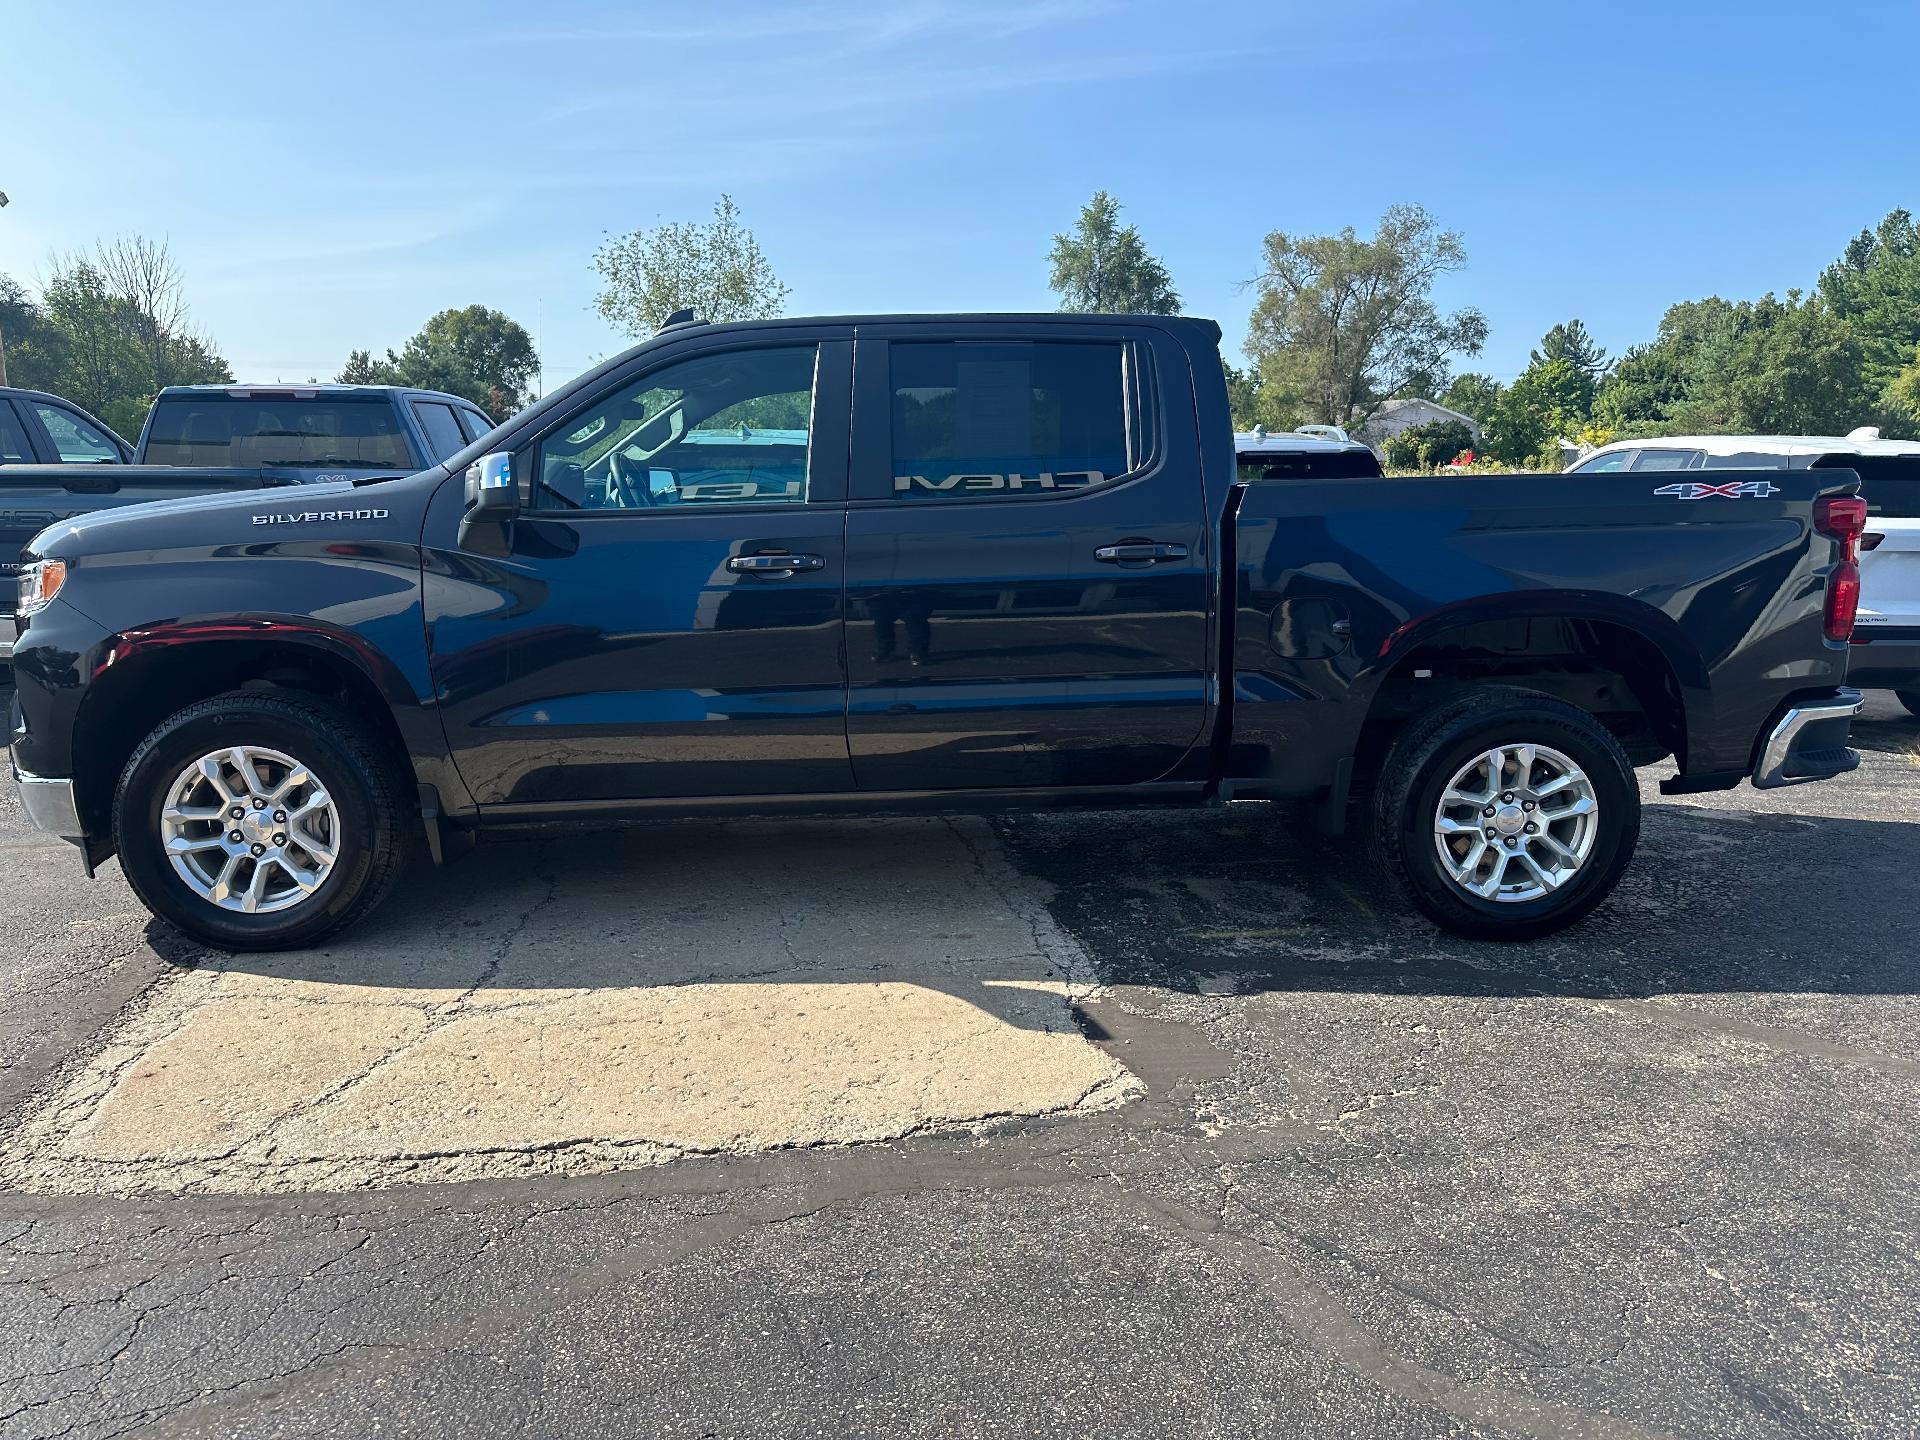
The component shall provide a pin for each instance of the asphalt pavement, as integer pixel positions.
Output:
(1154, 1124)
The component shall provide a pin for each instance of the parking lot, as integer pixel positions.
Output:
(1118, 1124)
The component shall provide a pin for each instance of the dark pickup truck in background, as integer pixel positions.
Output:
(210, 439)
(41, 429)
(917, 562)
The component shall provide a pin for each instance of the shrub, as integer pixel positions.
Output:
(1427, 447)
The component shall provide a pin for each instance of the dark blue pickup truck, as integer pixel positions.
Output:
(917, 562)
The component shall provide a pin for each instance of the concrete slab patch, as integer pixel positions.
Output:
(595, 1003)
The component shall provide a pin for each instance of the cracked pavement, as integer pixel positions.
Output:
(1119, 1124)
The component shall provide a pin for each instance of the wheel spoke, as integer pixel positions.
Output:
(188, 844)
(242, 761)
(308, 880)
(1466, 867)
(1564, 857)
(222, 889)
(210, 771)
(316, 801)
(1447, 825)
(186, 814)
(293, 780)
(256, 889)
(1545, 877)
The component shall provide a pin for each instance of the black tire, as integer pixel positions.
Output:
(1910, 699)
(1431, 750)
(358, 774)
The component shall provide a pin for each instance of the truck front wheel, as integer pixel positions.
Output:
(259, 821)
(1506, 814)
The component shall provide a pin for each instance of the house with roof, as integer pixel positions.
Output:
(1397, 415)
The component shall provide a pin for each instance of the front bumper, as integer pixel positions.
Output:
(49, 805)
(9, 632)
(1809, 742)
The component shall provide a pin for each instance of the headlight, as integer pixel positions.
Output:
(40, 581)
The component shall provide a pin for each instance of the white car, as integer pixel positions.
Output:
(1886, 633)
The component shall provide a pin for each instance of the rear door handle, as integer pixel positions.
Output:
(774, 564)
(1135, 552)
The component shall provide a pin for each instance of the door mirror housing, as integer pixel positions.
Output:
(492, 501)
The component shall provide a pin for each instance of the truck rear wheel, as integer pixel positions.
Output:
(1506, 814)
(1910, 699)
(259, 821)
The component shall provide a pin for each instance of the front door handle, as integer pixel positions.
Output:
(774, 564)
(1136, 552)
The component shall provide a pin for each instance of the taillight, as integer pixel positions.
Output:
(1843, 599)
(1844, 517)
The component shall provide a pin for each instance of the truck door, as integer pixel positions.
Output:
(1027, 567)
(668, 623)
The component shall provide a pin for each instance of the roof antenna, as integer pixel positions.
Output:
(680, 317)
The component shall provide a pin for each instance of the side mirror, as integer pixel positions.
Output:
(492, 501)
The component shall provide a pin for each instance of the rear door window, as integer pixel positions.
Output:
(1659, 460)
(1745, 460)
(76, 441)
(14, 449)
(1613, 460)
(999, 421)
(443, 432)
(290, 429)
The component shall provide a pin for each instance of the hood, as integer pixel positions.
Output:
(235, 517)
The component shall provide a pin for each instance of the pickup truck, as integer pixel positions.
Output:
(41, 429)
(924, 563)
(213, 438)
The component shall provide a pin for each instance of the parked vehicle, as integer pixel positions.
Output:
(999, 561)
(1314, 452)
(41, 429)
(1886, 632)
(209, 439)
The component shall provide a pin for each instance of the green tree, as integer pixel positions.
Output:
(1571, 342)
(716, 269)
(108, 331)
(1342, 324)
(1874, 287)
(1473, 394)
(1103, 267)
(474, 352)
(1905, 390)
(1243, 397)
(362, 369)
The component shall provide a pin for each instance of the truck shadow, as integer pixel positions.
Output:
(1009, 915)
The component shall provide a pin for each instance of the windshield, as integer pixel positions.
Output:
(270, 430)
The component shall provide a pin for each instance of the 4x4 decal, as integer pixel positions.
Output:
(1732, 490)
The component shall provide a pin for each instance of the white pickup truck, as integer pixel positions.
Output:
(1886, 631)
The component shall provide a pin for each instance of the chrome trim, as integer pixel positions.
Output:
(9, 633)
(1770, 773)
(49, 805)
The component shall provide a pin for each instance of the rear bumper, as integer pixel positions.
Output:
(1809, 742)
(1884, 657)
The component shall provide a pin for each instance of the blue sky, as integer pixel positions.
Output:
(330, 175)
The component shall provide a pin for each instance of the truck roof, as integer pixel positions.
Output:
(306, 392)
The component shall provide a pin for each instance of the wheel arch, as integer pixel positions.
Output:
(1610, 654)
(148, 675)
